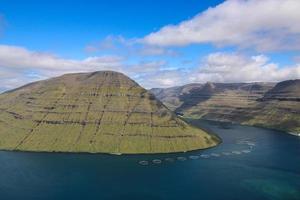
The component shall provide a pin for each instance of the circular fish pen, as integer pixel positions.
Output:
(144, 162)
(181, 158)
(204, 156)
(193, 157)
(247, 149)
(156, 161)
(169, 159)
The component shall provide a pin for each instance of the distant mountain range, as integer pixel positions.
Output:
(271, 105)
(103, 112)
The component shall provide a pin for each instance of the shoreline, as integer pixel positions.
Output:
(110, 153)
(105, 153)
(249, 125)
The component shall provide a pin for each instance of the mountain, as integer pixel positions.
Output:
(260, 104)
(170, 96)
(93, 112)
(198, 99)
(284, 91)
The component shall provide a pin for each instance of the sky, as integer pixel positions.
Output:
(157, 43)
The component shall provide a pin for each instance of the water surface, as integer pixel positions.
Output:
(251, 163)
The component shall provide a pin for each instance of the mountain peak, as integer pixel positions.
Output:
(93, 112)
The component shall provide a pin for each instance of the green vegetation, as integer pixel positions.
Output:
(258, 104)
(93, 112)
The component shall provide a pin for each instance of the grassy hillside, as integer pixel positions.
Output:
(93, 112)
(260, 104)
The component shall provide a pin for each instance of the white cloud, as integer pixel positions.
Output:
(147, 50)
(263, 24)
(111, 43)
(18, 65)
(222, 67)
(146, 67)
(230, 67)
(153, 73)
(163, 78)
(129, 47)
(18, 57)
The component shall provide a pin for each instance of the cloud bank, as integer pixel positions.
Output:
(232, 67)
(266, 25)
(225, 67)
(19, 65)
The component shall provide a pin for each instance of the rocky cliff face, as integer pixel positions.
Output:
(261, 104)
(93, 112)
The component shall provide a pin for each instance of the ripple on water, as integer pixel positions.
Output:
(251, 144)
(242, 141)
(226, 153)
(246, 151)
(236, 152)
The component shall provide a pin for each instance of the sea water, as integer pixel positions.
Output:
(251, 163)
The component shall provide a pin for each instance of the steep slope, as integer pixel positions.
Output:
(170, 96)
(284, 91)
(93, 112)
(279, 108)
(216, 100)
(260, 104)
(221, 100)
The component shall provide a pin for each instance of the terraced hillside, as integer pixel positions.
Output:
(93, 112)
(204, 100)
(279, 108)
(259, 104)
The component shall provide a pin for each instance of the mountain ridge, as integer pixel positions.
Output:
(271, 105)
(99, 112)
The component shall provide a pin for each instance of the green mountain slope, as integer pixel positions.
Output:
(260, 104)
(93, 112)
(279, 108)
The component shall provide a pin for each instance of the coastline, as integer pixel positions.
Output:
(105, 153)
(247, 124)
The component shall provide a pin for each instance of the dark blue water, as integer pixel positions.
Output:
(250, 164)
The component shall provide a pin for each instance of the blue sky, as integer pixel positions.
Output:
(66, 27)
(208, 40)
